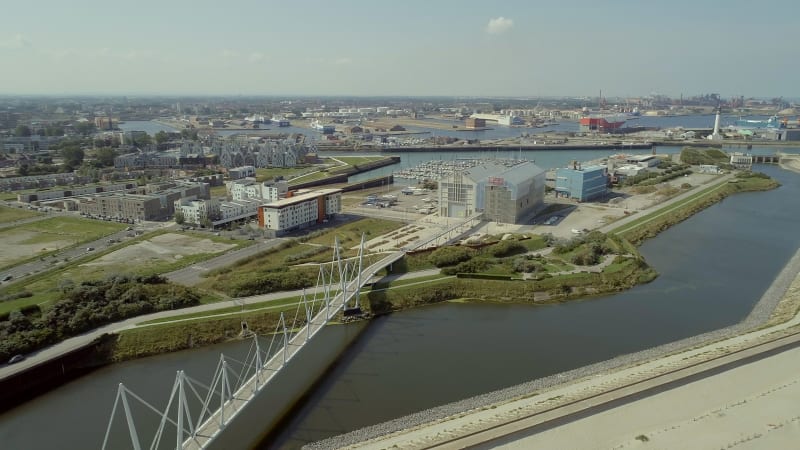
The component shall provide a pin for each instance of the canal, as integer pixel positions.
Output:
(713, 268)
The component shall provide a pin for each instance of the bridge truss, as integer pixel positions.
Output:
(196, 413)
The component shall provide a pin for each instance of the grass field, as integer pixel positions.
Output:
(316, 248)
(8, 215)
(45, 286)
(45, 237)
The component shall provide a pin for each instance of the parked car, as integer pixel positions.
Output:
(7, 277)
(16, 359)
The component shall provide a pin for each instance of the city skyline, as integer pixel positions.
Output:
(361, 48)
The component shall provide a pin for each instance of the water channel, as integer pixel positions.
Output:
(713, 268)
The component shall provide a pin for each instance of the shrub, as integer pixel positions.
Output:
(506, 248)
(447, 256)
(472, 266)
(524, 264)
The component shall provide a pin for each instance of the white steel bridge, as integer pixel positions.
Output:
(235, 383)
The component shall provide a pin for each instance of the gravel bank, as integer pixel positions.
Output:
(758, 316)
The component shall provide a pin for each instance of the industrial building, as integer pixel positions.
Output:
(299, 211)
(582, 183)
(507, 193)
(475, 122)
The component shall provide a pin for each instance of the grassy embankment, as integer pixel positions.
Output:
(350, 164)
(501, 266)
(652, 224)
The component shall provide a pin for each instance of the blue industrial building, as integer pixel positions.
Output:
(582, 183)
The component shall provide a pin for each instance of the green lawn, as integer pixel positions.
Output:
(268, 173)
(356, 160)
(219, 191)
(8, 215)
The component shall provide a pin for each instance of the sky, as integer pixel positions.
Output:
(512, 48)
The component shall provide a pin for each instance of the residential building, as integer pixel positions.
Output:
(300, 211)
(249, 188)
(582, 183)
(238, 173)
(197, 211)
(504, 193)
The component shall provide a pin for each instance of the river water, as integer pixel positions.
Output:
(713, 268)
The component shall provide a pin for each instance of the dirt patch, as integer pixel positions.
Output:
(15, 248)
(165, 247)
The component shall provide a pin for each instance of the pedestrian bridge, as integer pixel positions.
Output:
(235, 383)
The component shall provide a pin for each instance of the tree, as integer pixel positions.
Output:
(22, 131)
(179, 217)
(85, 128)
(23, 170)
(105, 156)
(161, 137)
(73, 156)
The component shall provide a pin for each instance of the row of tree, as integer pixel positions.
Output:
(86, 306)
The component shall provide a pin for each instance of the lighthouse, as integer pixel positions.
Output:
(715, 136)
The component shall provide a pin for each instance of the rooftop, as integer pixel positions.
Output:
(301, 198)
(514, 174)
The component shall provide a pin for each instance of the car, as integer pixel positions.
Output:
(89, 249)
(7, 277)
(16, 359)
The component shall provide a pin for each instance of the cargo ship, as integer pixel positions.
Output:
(602, 124)
(280, 121)
(323, 128)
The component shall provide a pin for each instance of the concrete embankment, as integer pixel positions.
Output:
(597, 378)
(36, 380)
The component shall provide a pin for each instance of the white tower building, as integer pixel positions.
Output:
(715, 136)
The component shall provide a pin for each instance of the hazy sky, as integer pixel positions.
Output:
(402, 47)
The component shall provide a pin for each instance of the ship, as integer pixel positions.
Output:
(602, 123)
(322, 128)
(281, 121)
(748, 124)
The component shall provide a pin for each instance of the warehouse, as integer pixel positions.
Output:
(504, 192)
(582, 183)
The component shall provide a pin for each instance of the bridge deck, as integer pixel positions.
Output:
(209, 429)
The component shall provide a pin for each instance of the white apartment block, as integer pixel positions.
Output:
(196, 210)
(300, 211)
(250, 189)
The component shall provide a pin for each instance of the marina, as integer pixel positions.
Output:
(435, 170)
